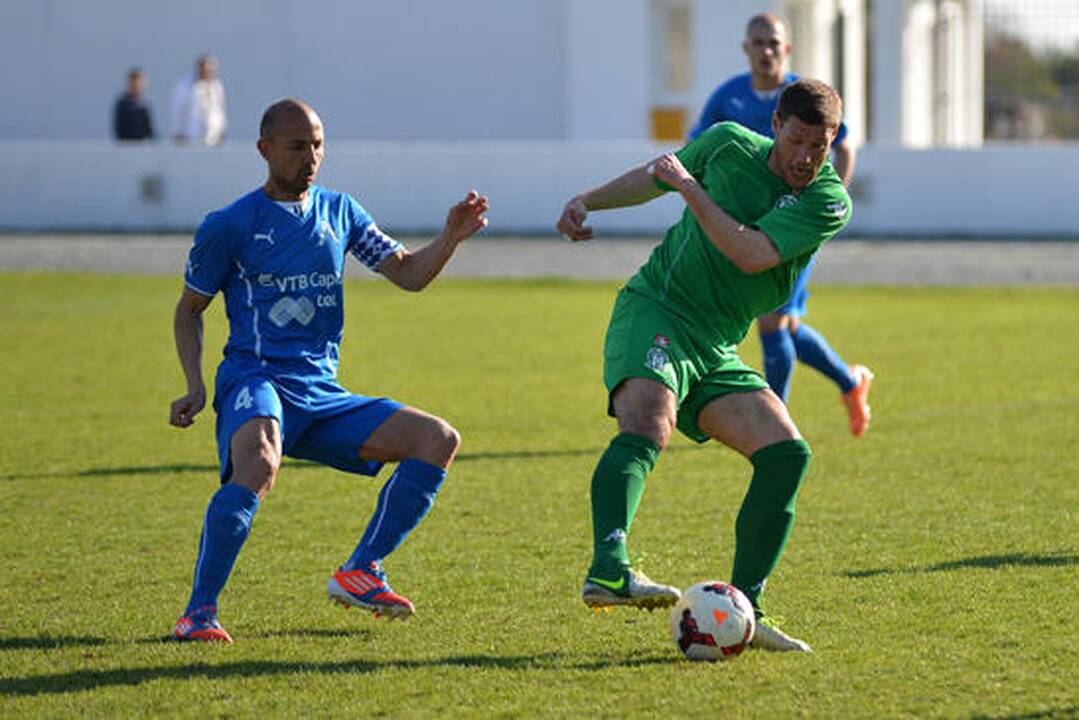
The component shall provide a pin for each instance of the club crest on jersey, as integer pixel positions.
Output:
(656, 359)
(786, 201)
(324, 231)
(661, 340)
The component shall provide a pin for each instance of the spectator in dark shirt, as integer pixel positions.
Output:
(131, 115)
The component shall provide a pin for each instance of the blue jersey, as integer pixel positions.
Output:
(737, 101)
(281, 275)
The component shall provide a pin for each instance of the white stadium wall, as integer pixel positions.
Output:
(999, 191)
(527, 100)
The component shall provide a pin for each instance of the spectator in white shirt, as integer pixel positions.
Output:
(198, 105)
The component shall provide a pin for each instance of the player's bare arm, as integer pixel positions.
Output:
(631, 188)
(415, 270)
(750, 250)
(187, 330)
(843, 160)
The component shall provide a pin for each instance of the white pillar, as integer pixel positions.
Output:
(854, 67)
(973, 92)
(887, 73)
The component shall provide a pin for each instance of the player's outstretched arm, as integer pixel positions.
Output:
(750, 250)
(631, 188)
(187, 330)
(415, 270)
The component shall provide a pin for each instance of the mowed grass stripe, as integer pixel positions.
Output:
(932, 566)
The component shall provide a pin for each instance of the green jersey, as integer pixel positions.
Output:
(698, 283)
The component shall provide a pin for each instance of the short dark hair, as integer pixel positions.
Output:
(812, 101)
(135, 72)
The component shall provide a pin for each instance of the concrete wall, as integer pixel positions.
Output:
(407, 186)
(374, 69)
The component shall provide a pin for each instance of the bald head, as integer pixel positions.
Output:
(291, 142)
(766, 20)
(767, 49)
(287, 112)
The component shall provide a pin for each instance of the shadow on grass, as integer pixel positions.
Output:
(49, 643)
(991, 562)
(86, 680)
(1048, 714)
(291, 465)
(320, 633)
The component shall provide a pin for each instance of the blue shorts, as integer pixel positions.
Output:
(319, 419)
(796, 306)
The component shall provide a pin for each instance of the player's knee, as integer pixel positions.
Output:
(256, 468)
(657, 428)
(443, 442)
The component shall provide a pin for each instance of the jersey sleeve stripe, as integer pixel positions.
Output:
(199, 290)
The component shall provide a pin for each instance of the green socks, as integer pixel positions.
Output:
(767, 514)
(617, 486)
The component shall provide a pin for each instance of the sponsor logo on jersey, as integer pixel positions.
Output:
(287, 309)
(299, 282)
(267, 236)
(837, 208)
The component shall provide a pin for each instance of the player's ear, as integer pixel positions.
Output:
(263, 147)
(745, 46)
(776, 124)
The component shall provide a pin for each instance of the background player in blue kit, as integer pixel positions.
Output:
(750, 100)
(277, 254)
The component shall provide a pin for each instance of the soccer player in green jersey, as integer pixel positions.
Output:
(757, 209)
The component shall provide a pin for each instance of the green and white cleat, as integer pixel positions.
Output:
(633, 588)
(768, 636)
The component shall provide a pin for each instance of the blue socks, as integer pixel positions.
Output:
(806, 344)
(227, 524)
(404, 501)
(815, 352)
(779, 357)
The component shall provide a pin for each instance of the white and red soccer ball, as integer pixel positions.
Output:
(712, 621)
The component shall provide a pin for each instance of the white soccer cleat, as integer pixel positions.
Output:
(632, 588)
(768, 636)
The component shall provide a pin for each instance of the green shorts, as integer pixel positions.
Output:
(645, 340)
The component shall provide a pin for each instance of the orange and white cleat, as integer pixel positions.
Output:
(857, 400)
(201, 625)
(367, 588)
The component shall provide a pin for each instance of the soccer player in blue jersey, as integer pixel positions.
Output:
(277, 255)
(750, 99)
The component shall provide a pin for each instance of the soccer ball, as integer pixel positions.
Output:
(712, 621)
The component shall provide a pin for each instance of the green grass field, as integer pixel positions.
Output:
(933, 566)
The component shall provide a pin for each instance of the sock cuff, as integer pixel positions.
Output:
(775, 335)
(781, 451)
(640, 445)
(233, 495)
(421, 475)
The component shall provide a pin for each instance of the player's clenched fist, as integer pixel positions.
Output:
(183, 411)
(571, 223)
(669, 169)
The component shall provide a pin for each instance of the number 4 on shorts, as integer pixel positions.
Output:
(244, 401)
